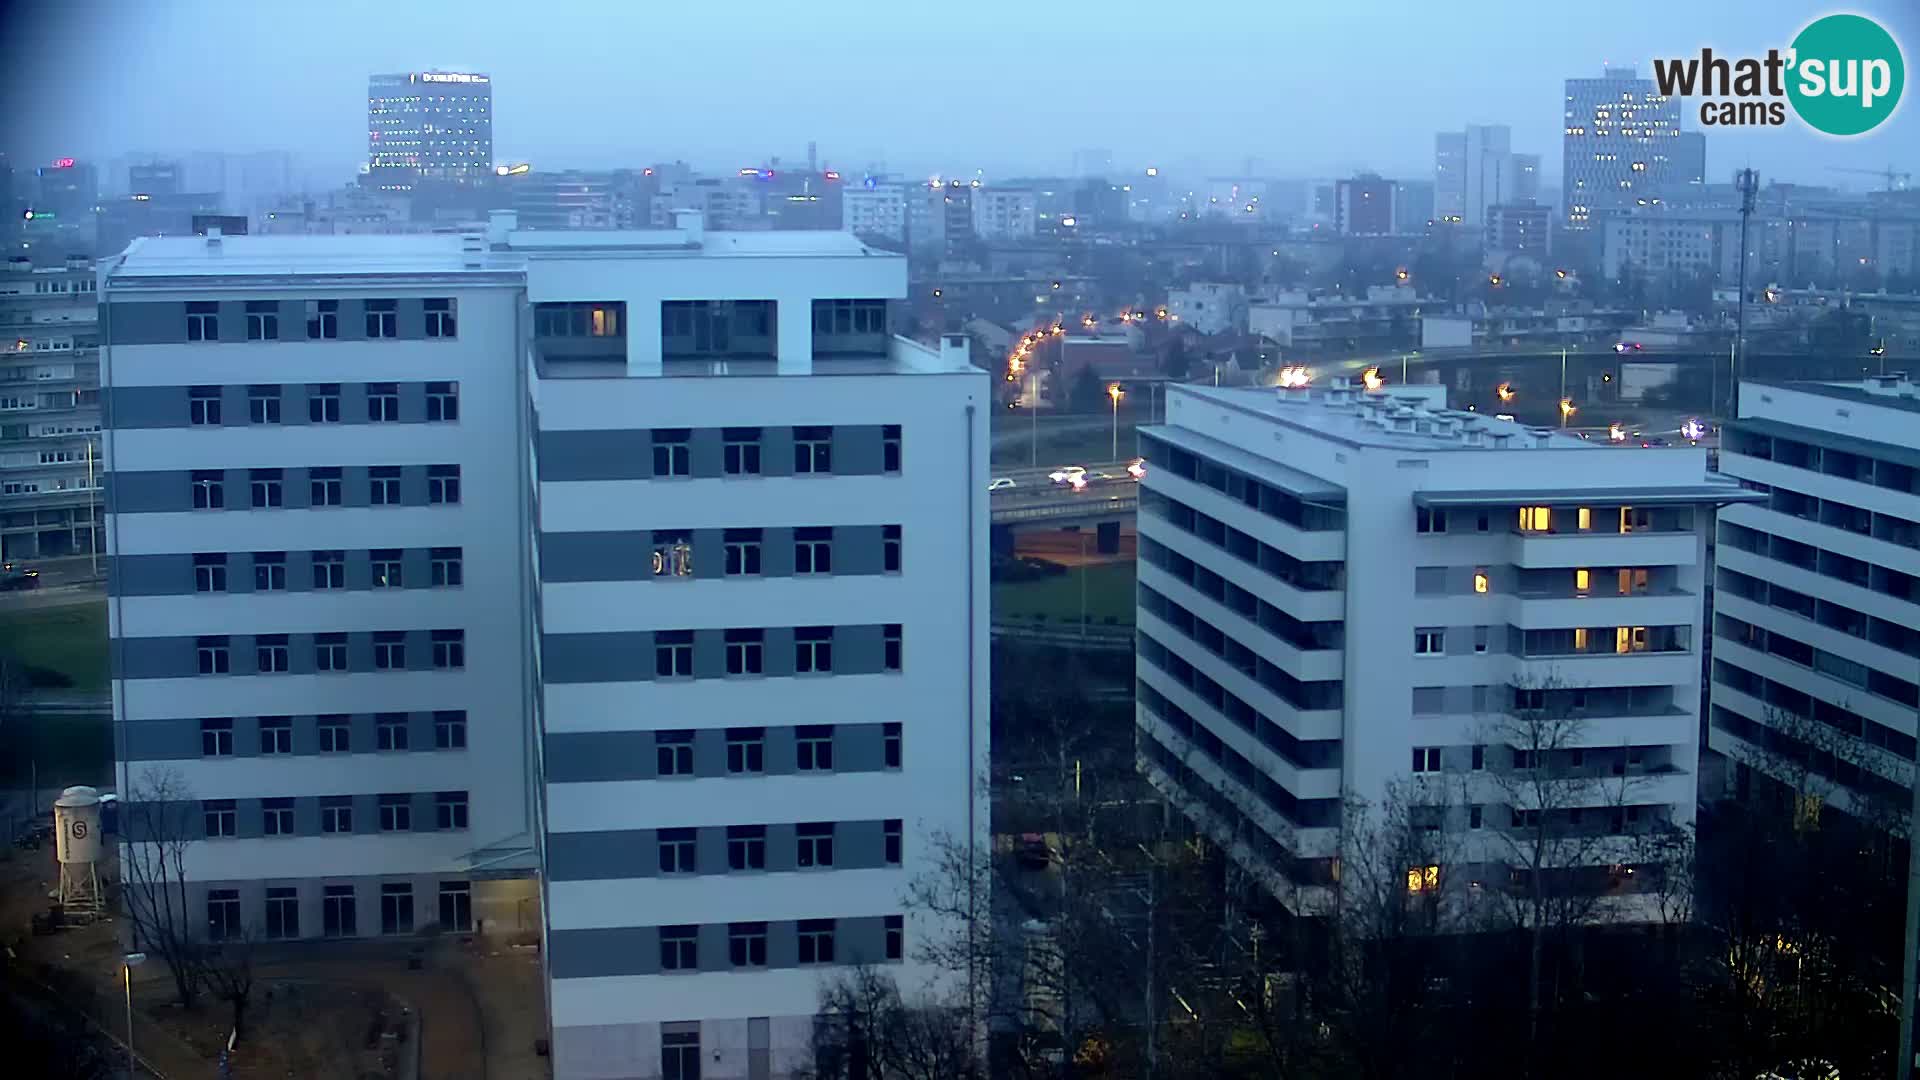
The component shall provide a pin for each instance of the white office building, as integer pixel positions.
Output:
(1004, 214)
(1817, 592)
(877, 208)
(1341, 590)
(674, 639)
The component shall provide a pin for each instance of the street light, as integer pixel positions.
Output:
(1114, 392)
(129, 962)
(1566, 410)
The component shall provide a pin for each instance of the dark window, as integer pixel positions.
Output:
(891, 841)
(890, 744)
(203, 406)
(890, 644)
(890, 548)
(323, 320)
(276, 817)
(323, 402)
(746, 847)
(673, 753)
(813, 550)
(813, 649)
(450, 729)
(209, 489)
(443, 402)
(890, 448)
(747, 944)
(263, 404)
(216, 737)
(337, 916)
(672, 553)
(448, 569)
(283, 911)
(746, 750)
(673, 654)
(745, 652)
(740, 455)
(221, 817)
(263, 320)
(443, 484)
(264, 485)
(396, 813)
(325, 486)
(449, 649)
(456, 906)
(270, 654)
(672, 452)
(223, 914)
(450, 810)
(896, 930)
(815, 840)
(396, 908)
(679, 948)
(390, 731)
(383, 318)
(276, 734)
(813, 449)
(336, 733)
(383, 485)
(213, 654)
(270, 571)
(383, 402)
(210, 573)
(813, 748)
(203, 320)
(849, 317)
(742, 552)
(676, 851)
(389, 650)
(385, 566)
(440, 313)
(336, 813)
(816, 941)
(329, 569)
(680, 1055)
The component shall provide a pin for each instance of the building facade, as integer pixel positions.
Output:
(1817, 593)
(877, 207)
(50, 455)
(1475, 169)
(1004, 214)
(1365, 206)
(1519, 228)
(1273, 682)
(1621, 144)
(433, 126)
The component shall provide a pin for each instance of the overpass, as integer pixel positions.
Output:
(1036, 501)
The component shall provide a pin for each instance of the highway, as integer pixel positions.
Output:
(1035, 497)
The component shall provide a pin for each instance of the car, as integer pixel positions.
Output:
(14, 578)
(1627, 346)
(1652, 442)
(1137, 468)
(1000, 483)
(1065, 474)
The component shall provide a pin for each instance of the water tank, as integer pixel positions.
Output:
(76, 823)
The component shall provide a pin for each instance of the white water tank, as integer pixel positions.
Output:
(76, 823)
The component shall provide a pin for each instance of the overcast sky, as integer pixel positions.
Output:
(1001, 85)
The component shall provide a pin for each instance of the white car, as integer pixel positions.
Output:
(1067, 474)
(1137, 468)
(1000, 483)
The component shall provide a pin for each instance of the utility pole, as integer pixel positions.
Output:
(93, 513)
(1910, 957)
(1033, 411)
(1748, 182)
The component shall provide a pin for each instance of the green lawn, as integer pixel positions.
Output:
(70, 639)
(1057, 599)
(1083, 447)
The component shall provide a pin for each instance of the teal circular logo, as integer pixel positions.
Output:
(1847, 75)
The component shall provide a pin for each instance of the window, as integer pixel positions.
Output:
(383, 485)
(746, 750)
(673, 753)
(1480, 580)
(812, 450)
(1426, 759)
(221, 818)
(263, 321)
(1529, 698)
(742, 552)
(1582, 581)
(891, 837)
(209, 489)
(1580, 639)
(203, 406)
(263, 404)
(323, 403)
(1429, 642)
(747, 944)
(213, 654)
(672, 553)
(383, 402)
(389, 650)
(816, 941)
(672, 452)
(680, 1053)
(896, 931)
(745, 652)
(1428, 520)
(443, 484)
(679, 948)
(270, 571)
(216, 737)
(676, 851)
(813, 550)
(336, 733)
(890, 744)
(449, 649)
(813, 649)
(890, 647)
(203, 320)
(396, 908)
(336, 813)
(1630, 639)
(1632, 520)
(815, 840)
(1479, 757)
(440, 322)
(1483, 521)
(1536, 519)
(890, 548)
(209, 573)
(276, 735)
(385, 565)
(813, 748)
(448, 571)
(276, 817)
(740, 451)
(890, 448)
(323, 320)
(746, 847)
(264, 487)
(383, 318)
(390, 731)
(1480, 636)
(329, 569)
(223, 914)
(849, 316)
(450, 810)
(1585, 518)
(1423, 879)
(337, 916)
(450, 729)
(456, 906)
(396, 813)
(324, 484)
(443, 402)
(673, 654)
(1632, 582)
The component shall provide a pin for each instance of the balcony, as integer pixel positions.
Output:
(1551, 550)
(1546, 610)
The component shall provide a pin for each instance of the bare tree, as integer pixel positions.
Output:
(866, 1031)
(227, 971)
(158, 825)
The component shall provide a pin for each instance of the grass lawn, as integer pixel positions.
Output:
(70, 639)
(57, 750)
(1109, 596)
(1086, 446)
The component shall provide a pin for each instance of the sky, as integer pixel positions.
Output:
(1004, 86)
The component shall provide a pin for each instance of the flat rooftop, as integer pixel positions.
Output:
(1891, 391)
(1402, 421)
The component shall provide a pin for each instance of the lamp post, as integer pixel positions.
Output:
(93, 514)
(1114, 392)
(130, 961)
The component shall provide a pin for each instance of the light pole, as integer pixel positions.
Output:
(1114, 392)
(130, 961)
(1033, 414)
(93, 513)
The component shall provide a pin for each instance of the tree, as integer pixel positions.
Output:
(866, 1031)
(158, 826)
(1087, 394)
(1176, 364)
(226, 968)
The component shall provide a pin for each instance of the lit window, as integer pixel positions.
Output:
(1582, 580)
(1580, 639)
(1423, 879)
(1586, 519)
(1480, 580)
(1536, 519)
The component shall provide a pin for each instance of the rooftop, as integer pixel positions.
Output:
(1402, 419)
(1893, 391)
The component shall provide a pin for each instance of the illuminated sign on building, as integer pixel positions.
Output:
(448, 77)
(63, 163)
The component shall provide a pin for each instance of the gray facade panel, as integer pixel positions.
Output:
(166, 657)
(858, 748)
(152, 575)
(353, 324)
(353, 396)
(596, 455)
(586, 658)
(860, 940)
(413, 396)
(233, 398)
(776, 552)
(709, 654)
(233, 321)
(598, 556)
(858, 650)
(856, 450)
(587, 756)
(366, 814)
(586, 954)
(601, 856)
(413, 485)
(776, 451)
(704, 447)
(146, 324)
(859, 845)
(709, 752)
(779, 651)
(709, 554)
(154, 492)
(130, 407)
(780, 847)
(158, 740)
(857, 549)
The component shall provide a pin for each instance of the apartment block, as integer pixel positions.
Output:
(1344, 592)
(49, 410)
(1817, 591)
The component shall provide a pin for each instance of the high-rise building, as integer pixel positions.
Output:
(1689, 162)
(876, 207)
(1365, 206)
(434, 126)
(1477, 168)
(1817, 595)
(50, 461)
(1004, 214)
(563, 200)
(1094, 161)
(1519, 228)
(1412, 205)
(66, 190)
(1508, 573)
(155, 178)
(1619, 145)
(552, 589)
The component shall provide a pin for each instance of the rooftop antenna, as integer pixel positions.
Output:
(1748, 181)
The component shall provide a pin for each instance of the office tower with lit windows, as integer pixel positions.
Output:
(429, 126)
(1344, 592)
(1621, 144)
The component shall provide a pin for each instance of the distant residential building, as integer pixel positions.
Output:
(127, 216)
(50, 457)
(876, 207)
(1237, 199)
(564, 200)
(1621, 139)
(158, 178)
(1365, 206)
(429, 125)
(1002, 214)
(1412, 206)
(1476, 168)
(1209, 307)
(1383, 319)
(1519, 228)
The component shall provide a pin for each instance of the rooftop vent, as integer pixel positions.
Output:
(1474, 437)
(691, 222)
(499, 224)
(1542, 436)
(213, 239)
(1502, 439)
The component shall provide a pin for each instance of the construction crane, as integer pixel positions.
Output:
(1895, 179)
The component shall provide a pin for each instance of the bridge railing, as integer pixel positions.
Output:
(1069, 506)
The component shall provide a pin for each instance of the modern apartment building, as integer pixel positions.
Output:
(676, 638)
(1621, 144)
(1476, 168)
(877, 207)
(1817, 591)
(49, 410)
(1340, 590)
(1004, 214)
